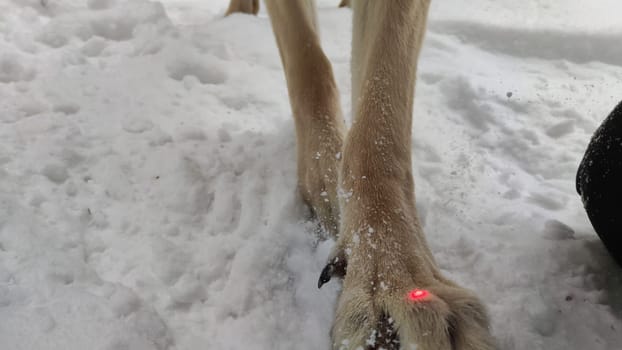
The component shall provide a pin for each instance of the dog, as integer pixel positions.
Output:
(359, 182)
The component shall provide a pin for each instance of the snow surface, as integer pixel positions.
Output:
(147, 173)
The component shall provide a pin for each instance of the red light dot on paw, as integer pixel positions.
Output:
(417, 294)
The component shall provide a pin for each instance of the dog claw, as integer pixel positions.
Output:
(336, 267)
(326, 275)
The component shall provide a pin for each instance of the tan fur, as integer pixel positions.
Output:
(315, 103)
(252, 6)
(243, 6)
(379, 235)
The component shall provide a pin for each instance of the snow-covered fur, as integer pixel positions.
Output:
(368, 198)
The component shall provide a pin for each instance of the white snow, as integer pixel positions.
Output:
(147, 173)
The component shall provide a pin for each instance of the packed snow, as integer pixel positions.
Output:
(147, 173)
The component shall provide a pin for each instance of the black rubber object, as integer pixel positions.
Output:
(599, 182)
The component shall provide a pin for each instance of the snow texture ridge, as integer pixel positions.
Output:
(147, 174)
